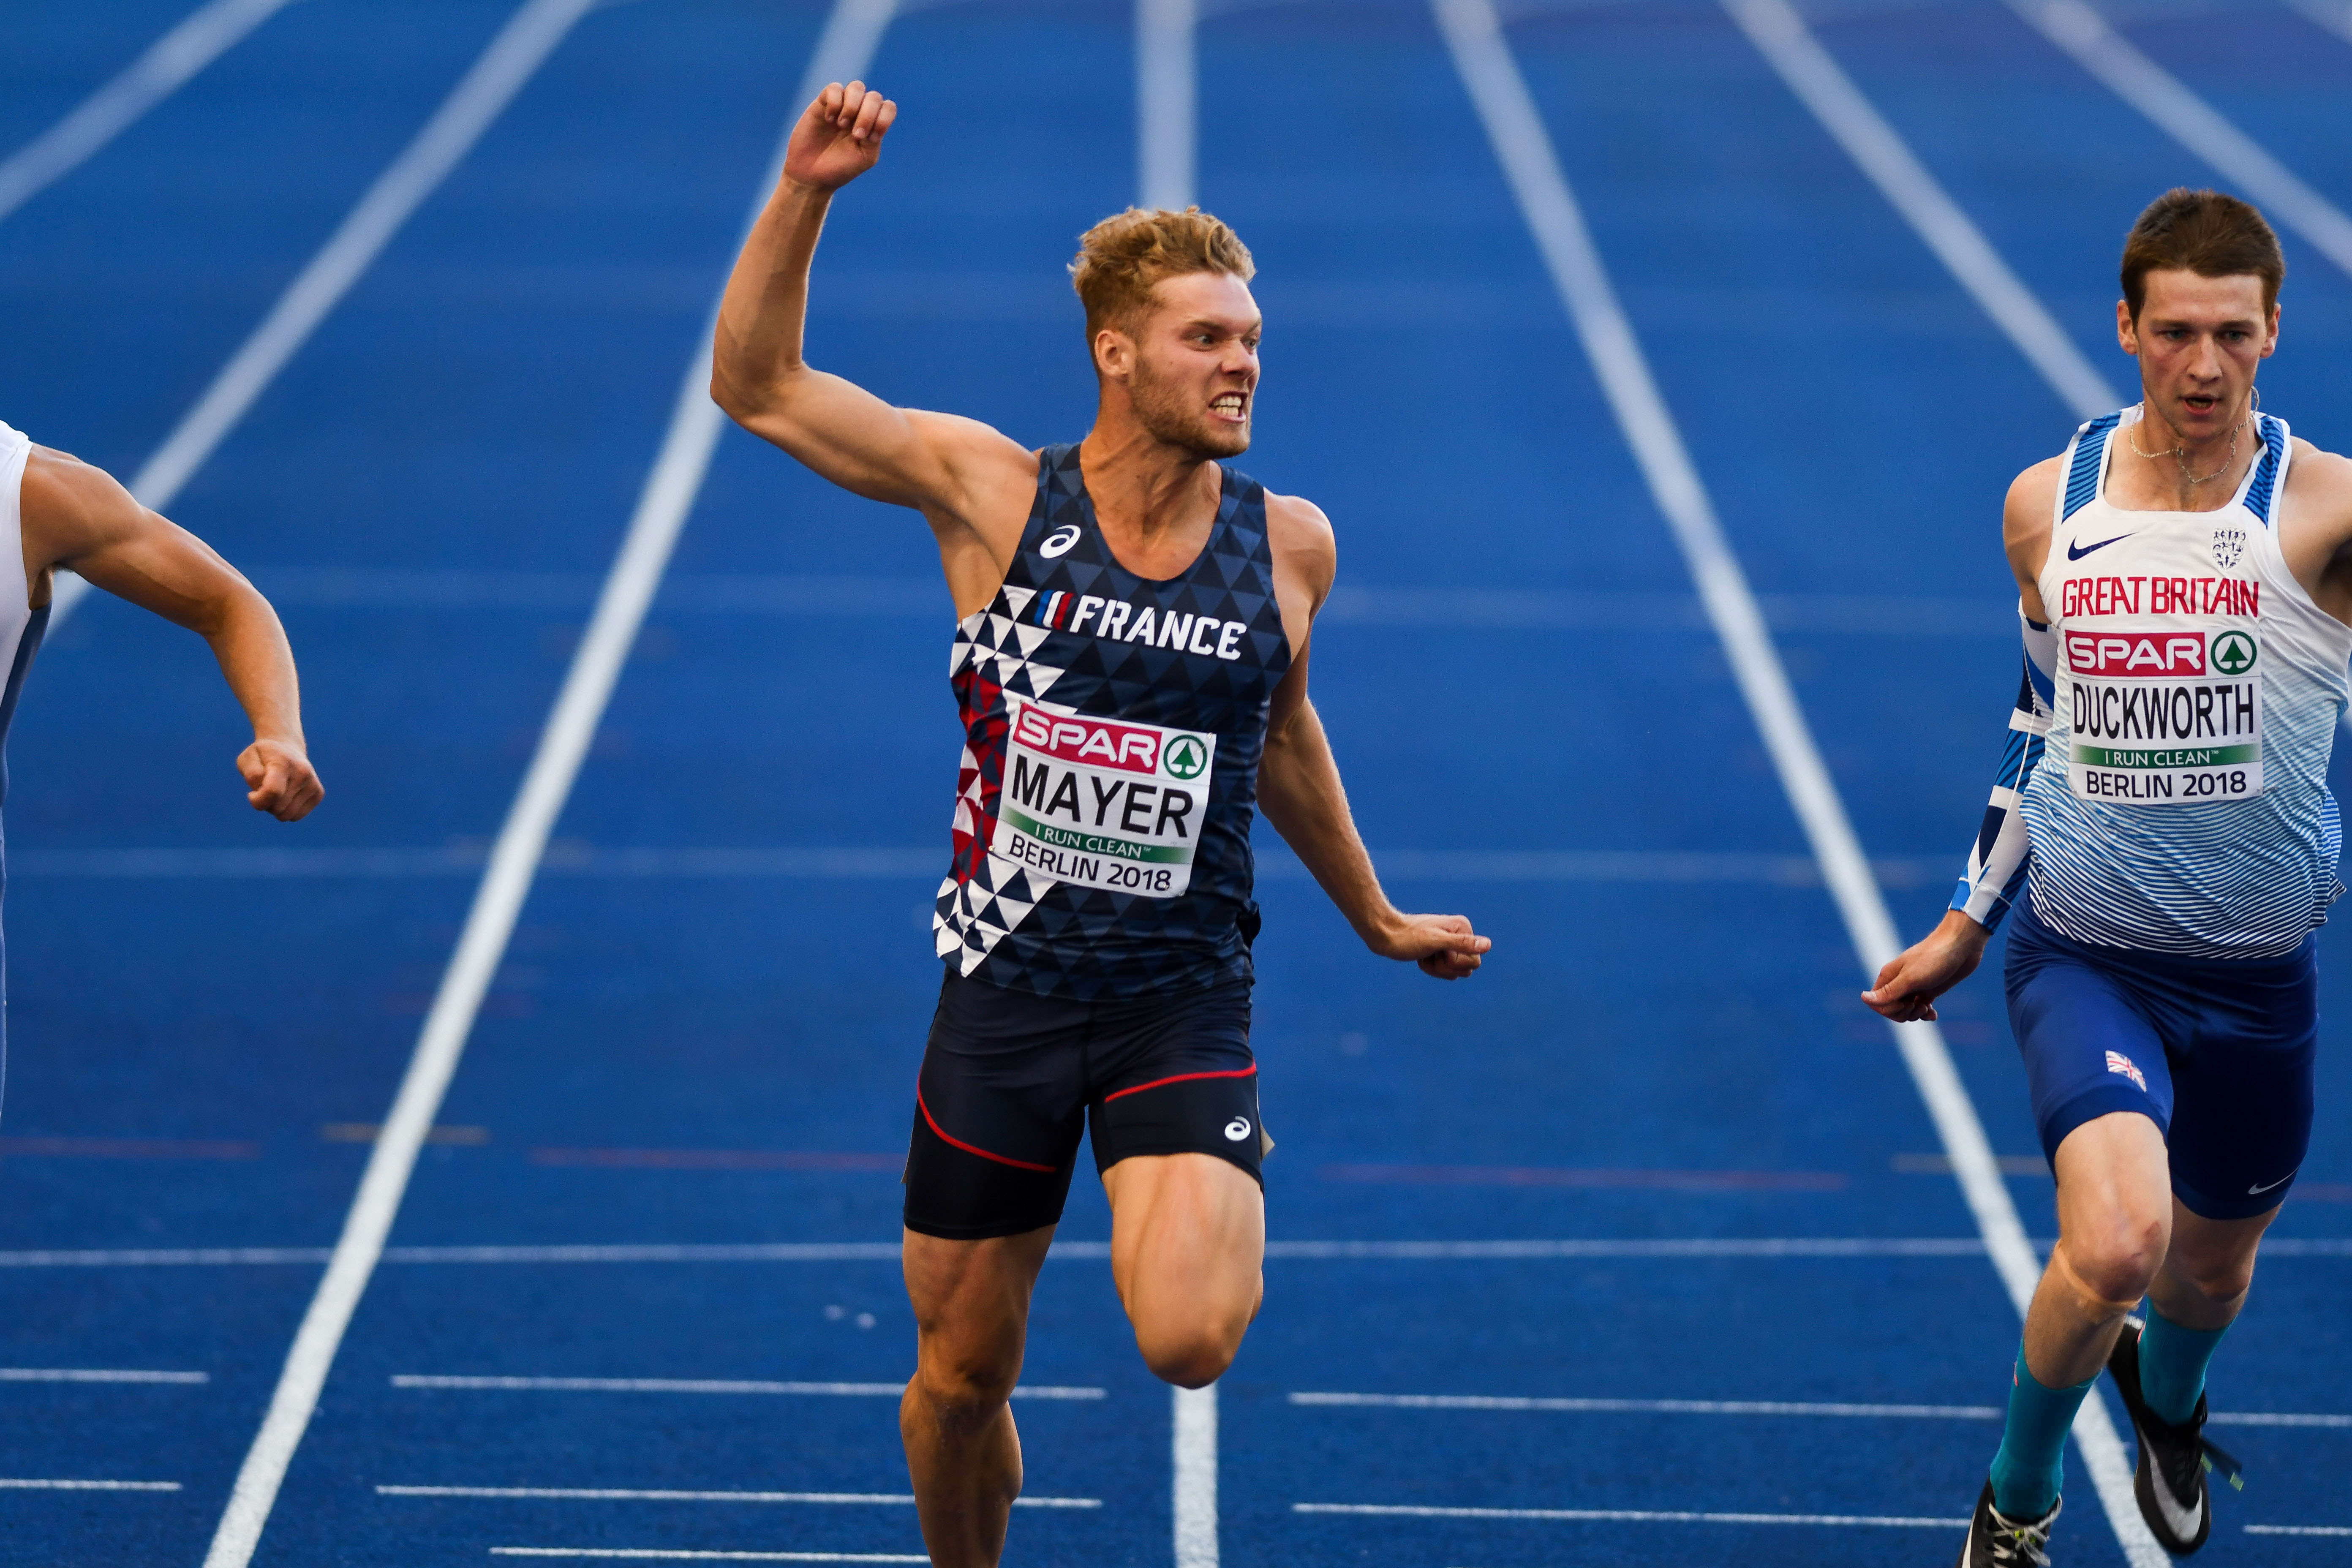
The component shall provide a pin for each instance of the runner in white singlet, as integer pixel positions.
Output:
(58, 512)
(2185, 578)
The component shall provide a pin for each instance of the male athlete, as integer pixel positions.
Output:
(2184, 571)
(57, 510)
(1131, 670)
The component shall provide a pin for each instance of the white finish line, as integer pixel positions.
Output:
(512, 58)
(1633, 1516)
(851, 34)
(710, 1385)
(1530, 163)
(201, 38)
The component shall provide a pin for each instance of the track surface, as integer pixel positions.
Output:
(716, 1048)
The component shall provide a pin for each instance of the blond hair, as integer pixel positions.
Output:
(1122, 259)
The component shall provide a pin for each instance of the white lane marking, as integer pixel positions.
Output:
(96, 1374)
(674, 1555)
(850, 37)
(1632, 1515)
(1524, 147)
(201, 38)
(1649, 1407)
(642, 1494)
(18, 1484)
(1782, 35)
(1164, 102)
(2274, 1418)
(513, 57)
(1195, 1490)
(2299, 1530)
(2188, 119)
(710, 1385)
(2335, 15)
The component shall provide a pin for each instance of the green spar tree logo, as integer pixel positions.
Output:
(2234, 653)
(1186, 758)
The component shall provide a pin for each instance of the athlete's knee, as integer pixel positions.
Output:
(1193, 1352)
(2112, 1259)
(2220, 1278)
(964, 1380)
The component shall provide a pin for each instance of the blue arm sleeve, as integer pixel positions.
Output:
(1995, 872)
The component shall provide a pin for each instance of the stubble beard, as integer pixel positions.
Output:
(1163, 409)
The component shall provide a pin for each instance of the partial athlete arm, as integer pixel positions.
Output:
(1996, 869)
(943, 465)
(1909, 984)
(76, 516)
(1300, 792)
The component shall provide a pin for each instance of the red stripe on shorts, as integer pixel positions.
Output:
(1249, 1071)
(1000, 1159)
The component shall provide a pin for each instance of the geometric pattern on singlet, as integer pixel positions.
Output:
(2241, 878)
(999, 922)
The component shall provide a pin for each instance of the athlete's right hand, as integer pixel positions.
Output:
(839, 138)
(1907, 987)
(1442, 945)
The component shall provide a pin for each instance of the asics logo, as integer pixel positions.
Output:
(1237, 1128)
(2257, 1192)
(2073, 552)
(1059, 543)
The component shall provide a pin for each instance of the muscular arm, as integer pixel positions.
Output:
(960, 474)
(1299, 779)
(76, 516)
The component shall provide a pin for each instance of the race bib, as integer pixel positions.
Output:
(1103, 802)
(2161, 716)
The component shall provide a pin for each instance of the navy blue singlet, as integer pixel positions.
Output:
(1113, 726)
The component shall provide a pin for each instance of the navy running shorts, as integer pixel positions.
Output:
(1011, 1079)
(2219, 1053)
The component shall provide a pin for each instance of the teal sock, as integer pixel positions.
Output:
(2172, 1362)
(2030, 1468)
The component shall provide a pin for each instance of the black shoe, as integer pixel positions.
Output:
(2170, 1478)
(1997, 1541)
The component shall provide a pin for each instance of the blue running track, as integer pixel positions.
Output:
(700, 1047)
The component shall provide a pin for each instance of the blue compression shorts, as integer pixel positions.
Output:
(2219, 1053)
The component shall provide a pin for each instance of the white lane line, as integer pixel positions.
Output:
(1532, 165)
(2274, 1418)
(95, 1374)
(2299, 1530)
(1633, 1516)
(201, 38)
(710, 1385)
(2335, 15)
(1782, 35)
(672, 1555)
(17, 1484)
(1194, 1494)
(851, 34)
(2188, 119)
(1164, 101)
(642, 1494)
(513, 57)
(1649, 1407)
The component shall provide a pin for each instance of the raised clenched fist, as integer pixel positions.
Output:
(840, 136)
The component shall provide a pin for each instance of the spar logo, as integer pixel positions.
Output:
(2150, 654)
(1186, 757)
(2234, 653)
(1098, 743)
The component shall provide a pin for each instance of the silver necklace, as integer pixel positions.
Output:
(2179, 454)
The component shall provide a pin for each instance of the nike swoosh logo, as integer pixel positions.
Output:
(2257, 1192)
(2074, 553)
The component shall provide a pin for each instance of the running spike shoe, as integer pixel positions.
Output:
(2174, 1460)
(1997, 1541)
